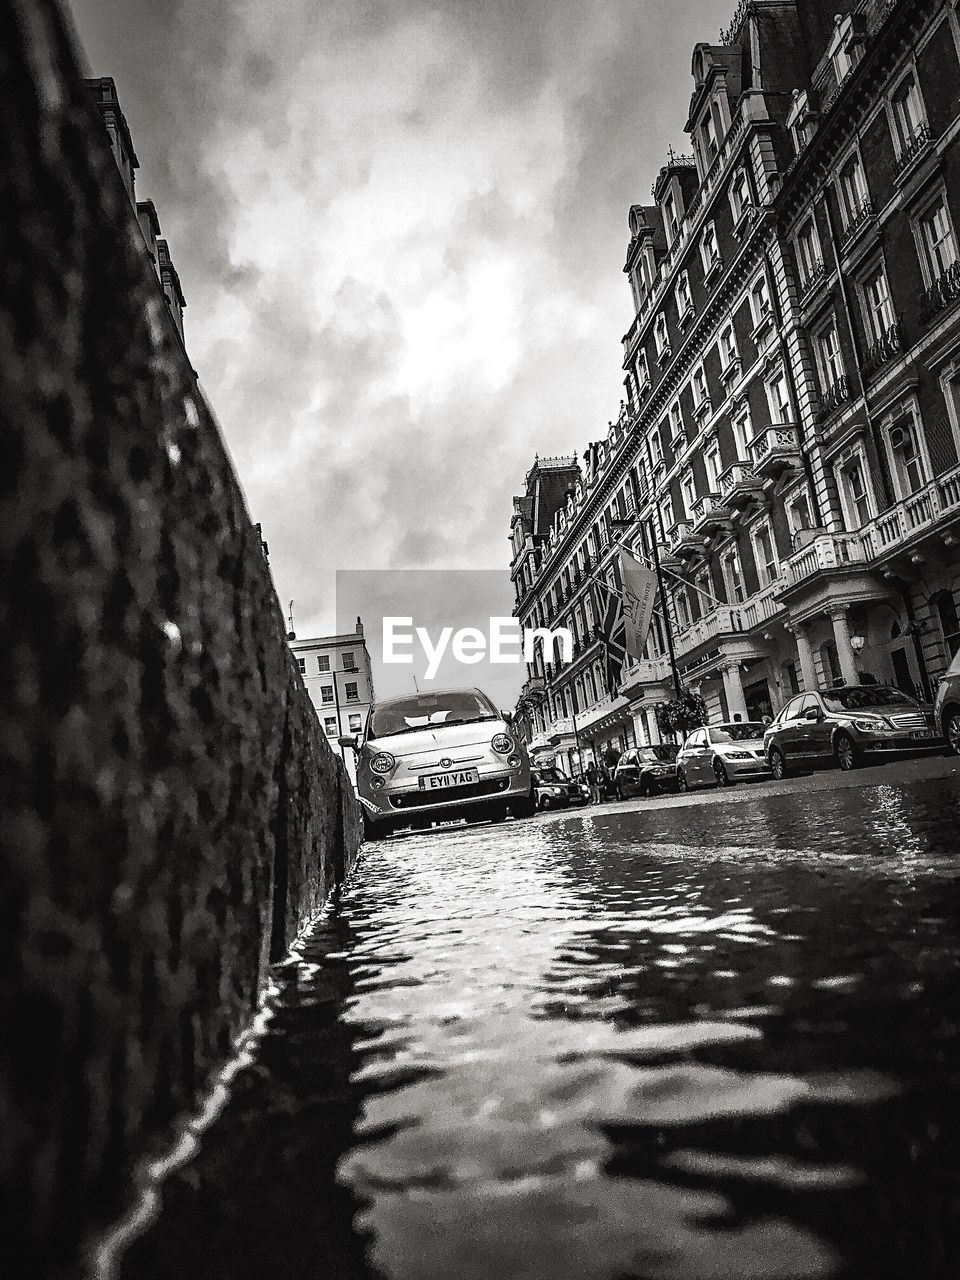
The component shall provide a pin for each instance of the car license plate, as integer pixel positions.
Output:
(922, 733)
(455, 778)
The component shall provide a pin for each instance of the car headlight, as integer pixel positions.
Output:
(383, 762)
(868, 725)
(737, 755)
(502, 743)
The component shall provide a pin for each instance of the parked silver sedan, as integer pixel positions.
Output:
(721, 754)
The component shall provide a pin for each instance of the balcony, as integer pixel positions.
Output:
(709, 513)
(722, 621)
(774, 449)
(912, 150)
(944, 290)
(813, 278)
(858, 222)
(682, 540)
(739, 486)
(882, 351)
(836, 395)
(912, 517)
(824, 552)
(761, 607)
(638, 675)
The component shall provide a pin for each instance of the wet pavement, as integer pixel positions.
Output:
(716, 1036)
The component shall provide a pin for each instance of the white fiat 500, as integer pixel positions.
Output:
(439, 755)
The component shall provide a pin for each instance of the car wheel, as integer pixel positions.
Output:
(682, 783)
(951, 731)
(721, 775)
(845, 752)
(778, 764)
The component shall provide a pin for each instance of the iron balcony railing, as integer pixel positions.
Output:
(883, 350)
(859, 219)
(837, 393)
(944, 290)
(917, 144)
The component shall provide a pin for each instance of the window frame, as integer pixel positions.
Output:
(828, 360)
(898, 469)
(902, 144)
(855, 459)
(877, 270)
(763, 528)
(918, 220)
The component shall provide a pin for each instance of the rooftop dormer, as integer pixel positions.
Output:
(717, 76)
(646, 248)
(105, 95)
(674, 190)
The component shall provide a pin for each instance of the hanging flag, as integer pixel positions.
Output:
(639, 596)
(613, 634)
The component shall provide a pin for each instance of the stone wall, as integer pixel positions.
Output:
(171, 811)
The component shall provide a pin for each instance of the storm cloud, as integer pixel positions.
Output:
(400, 229)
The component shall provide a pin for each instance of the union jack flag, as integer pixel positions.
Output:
(614, 635)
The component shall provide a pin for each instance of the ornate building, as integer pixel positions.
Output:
(791, 429)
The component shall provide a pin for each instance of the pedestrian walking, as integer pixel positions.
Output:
(593, 781)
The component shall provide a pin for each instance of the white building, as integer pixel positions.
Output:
(339, 680)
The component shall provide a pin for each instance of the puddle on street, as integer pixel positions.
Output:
(691, 1043)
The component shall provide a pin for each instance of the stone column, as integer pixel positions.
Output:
(841, 632)
(733, 688)
(808, 668)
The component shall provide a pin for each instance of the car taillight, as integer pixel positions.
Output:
(383, 762)
(502, 743)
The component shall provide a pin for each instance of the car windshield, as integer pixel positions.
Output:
(737, 732)
(550, 775)
(430, 711)
(661, 753)
(860, 697)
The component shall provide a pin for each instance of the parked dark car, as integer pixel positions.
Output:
(844, 725)
(553, 790)
(947, 706)
(645, 771)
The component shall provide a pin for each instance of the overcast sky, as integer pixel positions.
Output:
(400, 228)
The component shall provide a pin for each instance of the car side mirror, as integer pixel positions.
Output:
(813, 713)
(506, 717)
(348, 740)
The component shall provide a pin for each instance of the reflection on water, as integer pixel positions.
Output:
(687, 1043)
(694, 1043)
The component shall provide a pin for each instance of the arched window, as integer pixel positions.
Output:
(946, 611)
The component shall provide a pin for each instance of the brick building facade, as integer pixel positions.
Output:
(792, 418)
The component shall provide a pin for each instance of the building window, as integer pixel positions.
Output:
(330, 726)
(323, 663)
(302, 664)
(643, 373)
(728, 347)
(684, 297)
(670, 220)
(656, 448)
(709, 249)
(675, 418)
(853, 190)
(767, 561)
(699, 384)
(778, 397)
(326, 695)
(739, 194)
(937, 242)
(856, 498)
(350, 688)
(799, 515)
(760, 301)
(808, 252)
(712, 463)
(355, 723)
(829, 359)
(945, 607)
(689, 494)
(709, 135)
(733, 577)
(349, 662)
(908, 467)
(742, 431)
(660, 335)
(683, 607)
(907, 109)
(877, 307)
